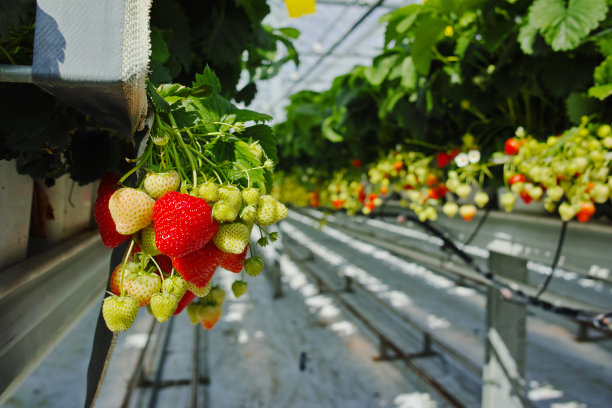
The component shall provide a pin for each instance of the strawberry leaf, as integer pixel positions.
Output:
(207, 78)
(266, 138)
(564, 27)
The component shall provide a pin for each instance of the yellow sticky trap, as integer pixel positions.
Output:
(298, 8)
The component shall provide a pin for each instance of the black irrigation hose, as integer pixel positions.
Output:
(602, 321)
(555, 260)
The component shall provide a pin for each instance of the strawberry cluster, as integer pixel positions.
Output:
(201, 191)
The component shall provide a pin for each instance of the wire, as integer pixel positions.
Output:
(555, 260)
(602, 321)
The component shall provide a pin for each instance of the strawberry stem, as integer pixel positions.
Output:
(186, 149)
(125, 261)
(161, 273)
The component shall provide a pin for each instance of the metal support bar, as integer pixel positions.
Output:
(16, 73)
(348, 284)
(503, 376)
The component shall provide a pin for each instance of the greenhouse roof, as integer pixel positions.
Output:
(338, 36)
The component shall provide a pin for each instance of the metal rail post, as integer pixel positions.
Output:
(503, 376)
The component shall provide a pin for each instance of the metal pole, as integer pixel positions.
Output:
(503, 376)
(16, 73)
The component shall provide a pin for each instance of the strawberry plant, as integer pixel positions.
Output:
(200, 187)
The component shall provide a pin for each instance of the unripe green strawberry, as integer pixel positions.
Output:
(147, 240)
(248, 214)
(270, 211)
(481, 199)
(257, 150)
(450, 209)
(580, 163)
(209, 191)
(604, 131)
(253, 266)
(239, 288)
(163, 305)
(141, 286)
(232, 195)
(600, 193)
(555, 193)
(175, 285)
(119, 312)
(232, 238)
(216, 295)
(195, 311)
(508, 200)
(430, 213)
(463, 190)
(224, 211)
(115, 279)
(567, 211)
(251, 196)
(131, 209)
(517, 187)
(158, 184)
(535, 192)
(550, 205)
(197, 290)
(607, 142)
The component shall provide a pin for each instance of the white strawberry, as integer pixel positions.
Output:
(131, 210)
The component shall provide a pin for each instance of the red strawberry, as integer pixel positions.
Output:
(185, 300)
(110, 237)
(199, 267)
(165, 263)
(183, 224)
(512, 146)
(233, 262)
(443, 159)
(517, 178)
(586, 211)
(525, 196)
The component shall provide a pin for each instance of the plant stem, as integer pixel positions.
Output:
(187, 152)
(129, 252)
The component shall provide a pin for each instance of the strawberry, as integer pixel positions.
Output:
(174, 285)
(199, 291)
(512, 146)
(232, 238)
(253, 266)
(600, 193)
(147, 240)
(555, 193)
(233, 262)
(507, 200)
(183, 224)
(443, 159)
(163, 305)
(524, 194)
(586, 211)
(185, 300)
(257, 150)
(199, 267)
(216, 295)
(467, 212)
(239, 288)
(566, 211)
(225, 211)
(141, 286)
(115, 279)
(210, 315)
(250, 196)
(131, 209)
(248, 214)
(463, 190)
(231, 194)
(110, 237)
(481, 199)
(431, 180)
(165, 263)
(119, 312)
(270, 211)
(450, 209)
(195, 311)
(209, 191)
(158, 184)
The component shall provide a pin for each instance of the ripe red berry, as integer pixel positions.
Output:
(199, 266)
(233, 262)
(108, 231)
(517, 178)
(183, 224)
(185, 300)
(512, 146)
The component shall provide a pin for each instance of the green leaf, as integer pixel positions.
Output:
(578, 105)
(563, 27)
(245, 115)
(209, 78)
(159, 74)
(159, 48)
(425, 38)
(526, 36)
(222, 150)
(328, 131)
(377, 73)
(601, 92)
(605, 45)
(290, 32)
(266, 138)
(602, 75)
(409, 74)
(158, 102)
